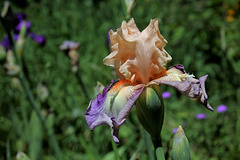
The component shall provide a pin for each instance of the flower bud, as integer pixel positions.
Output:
(180, 149)
(150, 112)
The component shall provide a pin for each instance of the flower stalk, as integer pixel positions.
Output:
(70, 49)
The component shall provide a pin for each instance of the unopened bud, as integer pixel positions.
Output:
(180, 149)
(150, 112)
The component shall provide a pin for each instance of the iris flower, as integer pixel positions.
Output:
(140, 61)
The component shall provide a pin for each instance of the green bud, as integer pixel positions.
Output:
(150, 112)
(180, 149)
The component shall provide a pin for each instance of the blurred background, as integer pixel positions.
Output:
(202, 35)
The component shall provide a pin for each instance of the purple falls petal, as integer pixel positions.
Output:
(179, 67)
(193, 88)
(113, 106)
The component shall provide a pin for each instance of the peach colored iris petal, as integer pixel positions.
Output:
(137, 56)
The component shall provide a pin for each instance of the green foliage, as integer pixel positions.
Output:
(202, 35)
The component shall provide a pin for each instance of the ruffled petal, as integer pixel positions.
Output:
(193, 88)
(137, 56)
(113, 106)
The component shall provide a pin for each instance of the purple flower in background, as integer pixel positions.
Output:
(221, 108)
(20, 24)
(201, 116)
(69, 45)
(6, 43)
(19, 20)
(40, 39)
(166, 95)
(174, 130)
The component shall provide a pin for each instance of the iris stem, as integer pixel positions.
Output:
(148, 143)
(158, 149)
(79, 78)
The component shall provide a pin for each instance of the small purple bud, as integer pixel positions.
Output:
(174, 130)
(201, 116)
(221, 108)
(166, 94)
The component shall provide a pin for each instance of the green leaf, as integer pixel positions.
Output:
(35, 138)
(160, 153)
